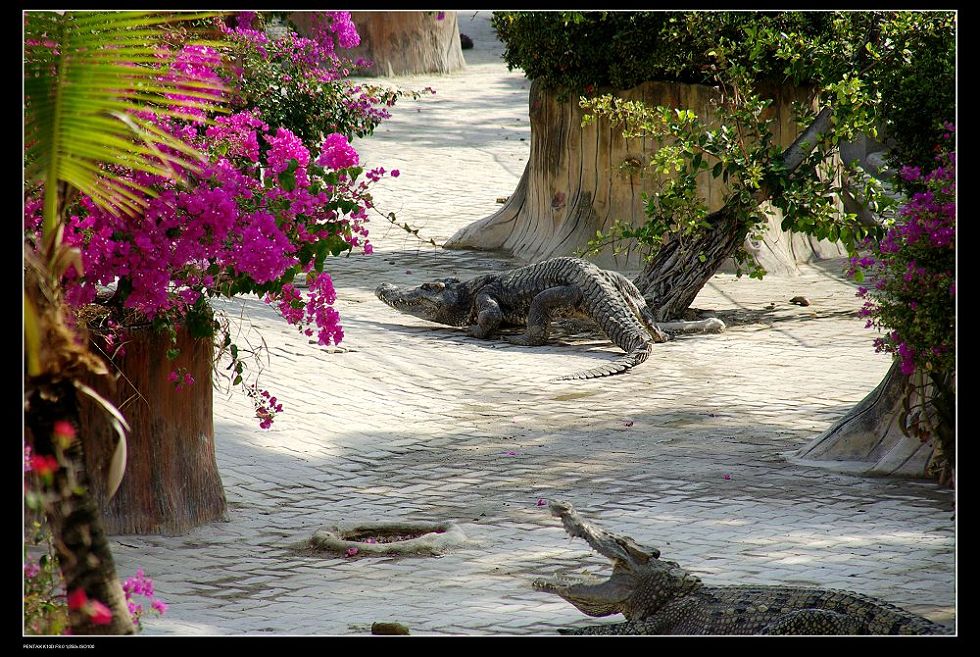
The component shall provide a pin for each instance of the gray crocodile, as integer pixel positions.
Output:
(533, 296)
(659, 597)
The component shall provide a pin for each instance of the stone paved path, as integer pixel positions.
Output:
(417, 422)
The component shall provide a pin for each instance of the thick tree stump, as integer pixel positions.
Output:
(171, 483)
(575, 183)
(405, 42)
(869, 439)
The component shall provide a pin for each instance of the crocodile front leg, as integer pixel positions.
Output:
(542, 309)
(488, 316)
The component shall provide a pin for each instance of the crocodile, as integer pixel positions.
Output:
(533, 296)
(658, 596)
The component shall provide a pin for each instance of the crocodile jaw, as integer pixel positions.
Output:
(594, 599)
(435, 305)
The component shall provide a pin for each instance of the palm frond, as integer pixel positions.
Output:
(91, 79)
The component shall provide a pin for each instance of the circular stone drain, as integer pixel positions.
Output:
(384, 538)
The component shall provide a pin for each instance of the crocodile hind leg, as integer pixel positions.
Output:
(814, 621)
(543, 307)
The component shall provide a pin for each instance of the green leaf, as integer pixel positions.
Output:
(287, 180)
(716, 170)
(82, 101)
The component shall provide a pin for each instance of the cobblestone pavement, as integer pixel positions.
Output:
(414, 421)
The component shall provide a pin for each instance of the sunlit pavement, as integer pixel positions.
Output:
(419, 422)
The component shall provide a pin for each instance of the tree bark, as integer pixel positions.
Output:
(404, 42)
(72, 514)
(870, 438)
(674, 277)
(579, 180)
(55, 363)
(172, 483)
(682, 267)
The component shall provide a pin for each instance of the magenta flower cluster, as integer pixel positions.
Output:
(233, 230)
(272, 197)
(266, 406)
(337, 153)
(910, 292)
(332, 29)
(142, 586)
(262, 209)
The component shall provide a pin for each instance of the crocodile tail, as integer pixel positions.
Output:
(618, 366)
(638, 304)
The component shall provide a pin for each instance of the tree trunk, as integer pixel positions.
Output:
(580, 180)
(172, 483)
(683, 266)
(55, 361)
(870, 438)
(673, 278)
(72, 514)
(404, 42)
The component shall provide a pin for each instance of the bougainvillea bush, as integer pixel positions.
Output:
(301, 83)
(272, 198)
(909, 290)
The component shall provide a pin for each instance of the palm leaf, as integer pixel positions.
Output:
(86, 99)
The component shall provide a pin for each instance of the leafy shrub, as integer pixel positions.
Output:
(911, 295)
(909, 77)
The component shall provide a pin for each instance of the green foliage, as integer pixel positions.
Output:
(892, 70)
(848, 59)
(575, 51)
(45, 607)
(919, 93)
(295, 84)
(741, 152)
(90, 80)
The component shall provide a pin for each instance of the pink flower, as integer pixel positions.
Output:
(159, 606)
(395, 173)
(286, 146)
(77, 599)
(65, 429)
(351, 551)
(726, 477)
(31, 570)
(541, 502)
(99, 613)
(337, 153)
(44, 465)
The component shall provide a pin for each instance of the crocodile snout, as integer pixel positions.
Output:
(386, 291)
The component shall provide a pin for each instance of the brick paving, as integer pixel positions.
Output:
(419, 422)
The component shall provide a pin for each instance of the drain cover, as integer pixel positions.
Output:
(384, 538)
